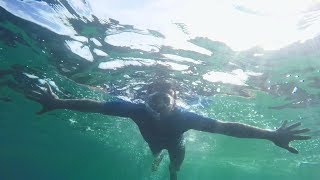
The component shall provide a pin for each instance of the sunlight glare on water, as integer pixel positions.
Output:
(240, 24)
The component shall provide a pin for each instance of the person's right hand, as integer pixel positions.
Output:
(47, 98)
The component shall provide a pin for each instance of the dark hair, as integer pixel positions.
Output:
(161, 86)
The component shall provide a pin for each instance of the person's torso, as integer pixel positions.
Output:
(163, 130)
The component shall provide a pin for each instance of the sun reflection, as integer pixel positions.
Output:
(270, 24)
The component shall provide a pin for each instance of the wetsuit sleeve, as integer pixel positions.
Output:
(121, 108)
(234, 129)
(198, 122)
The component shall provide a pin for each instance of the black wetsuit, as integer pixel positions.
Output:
(164, 132)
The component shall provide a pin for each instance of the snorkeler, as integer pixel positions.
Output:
(162, 124)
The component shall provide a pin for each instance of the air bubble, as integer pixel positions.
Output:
(295, 89)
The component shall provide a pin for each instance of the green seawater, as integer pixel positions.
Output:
(65, 144)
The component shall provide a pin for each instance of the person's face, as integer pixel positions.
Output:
(162, 102)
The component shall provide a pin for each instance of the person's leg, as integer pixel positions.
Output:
(157, 160)
(158, 155)
(176, 154)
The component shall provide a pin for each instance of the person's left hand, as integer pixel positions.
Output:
(285, 134)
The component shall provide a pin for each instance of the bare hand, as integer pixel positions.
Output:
(285, 134)
(47, 98)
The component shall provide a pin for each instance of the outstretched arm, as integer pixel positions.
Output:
(83, 105)
(280, 137)
(50, 101)
(240, 130)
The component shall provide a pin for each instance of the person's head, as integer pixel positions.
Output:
(161, 96)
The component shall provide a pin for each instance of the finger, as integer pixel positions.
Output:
(34, 94)
(33, 97)
(49, 90)
(284, 124)
(40, 88)
(292, 150)
(301, 137)
(299, 131)
(294, 125)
